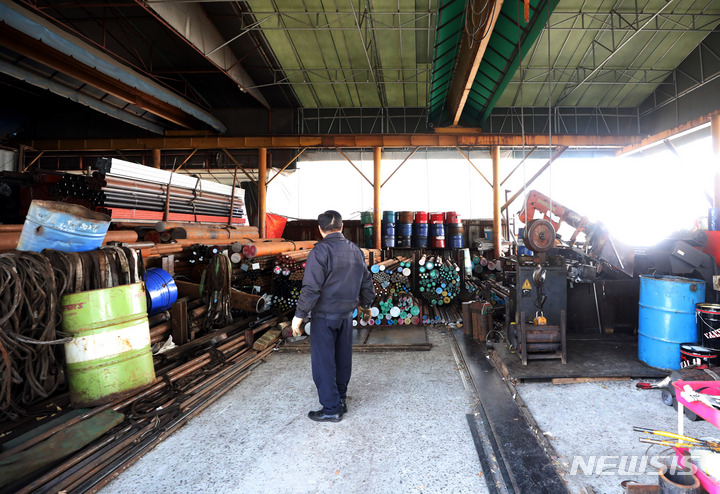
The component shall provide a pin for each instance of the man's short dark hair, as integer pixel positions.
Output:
(330, 221)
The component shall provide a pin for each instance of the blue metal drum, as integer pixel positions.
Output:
(64, 227)
(667, 318)
(161, 290)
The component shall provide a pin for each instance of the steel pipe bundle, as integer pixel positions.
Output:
(211, 233)
(439, 279)
(274, 248)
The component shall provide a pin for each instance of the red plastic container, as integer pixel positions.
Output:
(437, 217)
(421, 217)
(437, 242)
(451, 217)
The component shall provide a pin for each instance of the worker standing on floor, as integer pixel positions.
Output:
(336, 281)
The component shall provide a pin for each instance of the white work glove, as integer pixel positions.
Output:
(296, 322)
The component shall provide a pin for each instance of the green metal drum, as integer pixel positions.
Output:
(109, 356)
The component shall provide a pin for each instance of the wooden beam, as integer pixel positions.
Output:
(386, 141)
(470, 54)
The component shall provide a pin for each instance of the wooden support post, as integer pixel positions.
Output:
(262, 190)
(497, 219)
(376, 190)
(179, 321)
(715, 129)
(168, 264)
(156, 158)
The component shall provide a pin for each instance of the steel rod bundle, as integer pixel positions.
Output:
(445, 315)
(402, 308)
(439, 279)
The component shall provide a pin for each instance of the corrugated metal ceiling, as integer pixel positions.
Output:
(351, 54)
(591, 53)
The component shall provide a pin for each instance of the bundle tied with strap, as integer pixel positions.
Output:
(215, 289)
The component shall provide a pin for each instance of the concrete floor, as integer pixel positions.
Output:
(405, 432)
(588, 421)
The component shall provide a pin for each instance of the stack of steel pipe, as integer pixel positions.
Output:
(273, 248)
(439, 279)
(403, 229)
(367, 219)
(131, 194)
(437, 230)
(125, 185)
(185, 385)
(388, 229)
(235, 233)
(420, 230)
(454, 231)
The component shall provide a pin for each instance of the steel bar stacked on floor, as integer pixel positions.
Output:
(185, 386)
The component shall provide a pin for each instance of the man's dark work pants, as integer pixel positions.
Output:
(331, 354)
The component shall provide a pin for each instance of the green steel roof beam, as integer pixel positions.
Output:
(542, 12)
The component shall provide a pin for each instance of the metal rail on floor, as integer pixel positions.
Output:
(504, 434)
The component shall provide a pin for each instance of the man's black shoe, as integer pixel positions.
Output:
(343, 406)
(321, 416)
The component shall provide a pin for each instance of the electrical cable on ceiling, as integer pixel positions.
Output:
(477, 21)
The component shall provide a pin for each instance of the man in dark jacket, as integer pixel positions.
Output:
(336, 280)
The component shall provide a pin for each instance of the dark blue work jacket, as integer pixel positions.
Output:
(336, 279)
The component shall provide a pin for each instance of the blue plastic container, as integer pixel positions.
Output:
(161, 290)
(454, 241)
(667, 318)
(437, 230)
(404, 229)
(388, 216)
(61, 226)
(420, 229)
(388, 241)
(420, 242)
